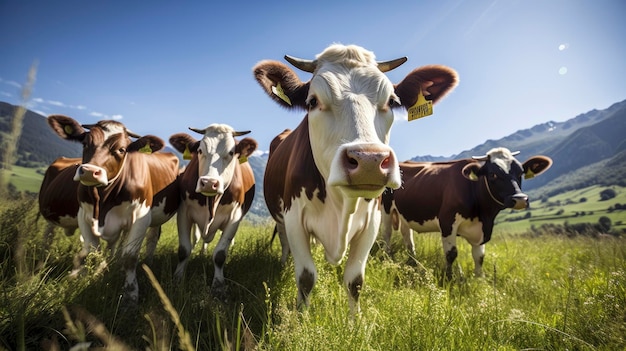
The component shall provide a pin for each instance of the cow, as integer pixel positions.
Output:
(324, 179)
(58, 203)
(458, 198)
(217, 190)
(123, 189)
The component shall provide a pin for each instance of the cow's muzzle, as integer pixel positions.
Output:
(91, 175)
(209, 186)
(365, 169)
(518, 201)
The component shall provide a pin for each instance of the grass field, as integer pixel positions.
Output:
(24, 179)
(549, 293)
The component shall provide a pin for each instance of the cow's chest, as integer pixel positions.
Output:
(117, 219)
(333, 223)
(201, 215)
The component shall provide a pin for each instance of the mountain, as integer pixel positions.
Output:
(38, 145)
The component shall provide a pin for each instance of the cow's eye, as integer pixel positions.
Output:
(394, 102)
(199, 151)
(121, 150)
(312, 103)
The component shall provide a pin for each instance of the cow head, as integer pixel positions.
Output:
(217, 154)
(106, 145)
(350, 104)
(502, 174)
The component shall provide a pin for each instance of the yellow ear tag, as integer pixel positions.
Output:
(146, 149)
(473, 176)
(422, 108)
(187, 154)
(68, 130)
(243, 158)
(529, 174)
(278, 91)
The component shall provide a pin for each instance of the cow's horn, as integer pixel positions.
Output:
(515, 153)
(387, 66)
(241, 133)
(131, 134)
(302, 64)
(480, 158)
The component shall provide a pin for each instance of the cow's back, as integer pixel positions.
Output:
(429, 189)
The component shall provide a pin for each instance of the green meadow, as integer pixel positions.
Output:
(541, 292)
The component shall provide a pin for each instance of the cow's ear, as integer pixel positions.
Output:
(66, 127)
(183, 143)
(433, 81)
(471, 171)
(245, 147)
(146, 144)
(536, 165)
(281, 84)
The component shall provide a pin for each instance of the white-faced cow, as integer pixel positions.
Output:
(324, 179)
(460, 198)
(217, 189)
(122, 189)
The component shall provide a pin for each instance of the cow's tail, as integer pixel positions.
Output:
(274, 233)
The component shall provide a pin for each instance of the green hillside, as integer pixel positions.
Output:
(23, 178)
(572, 207)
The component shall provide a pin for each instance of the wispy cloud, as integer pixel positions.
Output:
(11, 83)
(38, 104)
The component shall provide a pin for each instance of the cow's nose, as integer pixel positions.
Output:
(520, 201)
(212, 184)
(363, 160)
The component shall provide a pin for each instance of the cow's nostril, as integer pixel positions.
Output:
(385, 163)
(352, 162)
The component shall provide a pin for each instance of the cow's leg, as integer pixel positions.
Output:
(184, 224)
(152, 238)
(284, 242)
(448, 238)
(387, 229)
(354, 274)
(407, 235)
(130, 256)
(306, 274)
(220, 253)
(478, 253)
(88, 237)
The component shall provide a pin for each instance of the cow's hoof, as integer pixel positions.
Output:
(220, 292)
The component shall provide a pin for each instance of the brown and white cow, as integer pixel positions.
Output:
(325, 178)
(122, 189)
(458, 198)
(217, 189)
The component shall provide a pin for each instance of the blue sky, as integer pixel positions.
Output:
(163, 66)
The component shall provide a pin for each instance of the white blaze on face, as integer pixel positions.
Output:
(349, 125)
(502, 158)
(94, 175)
(216, 160)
